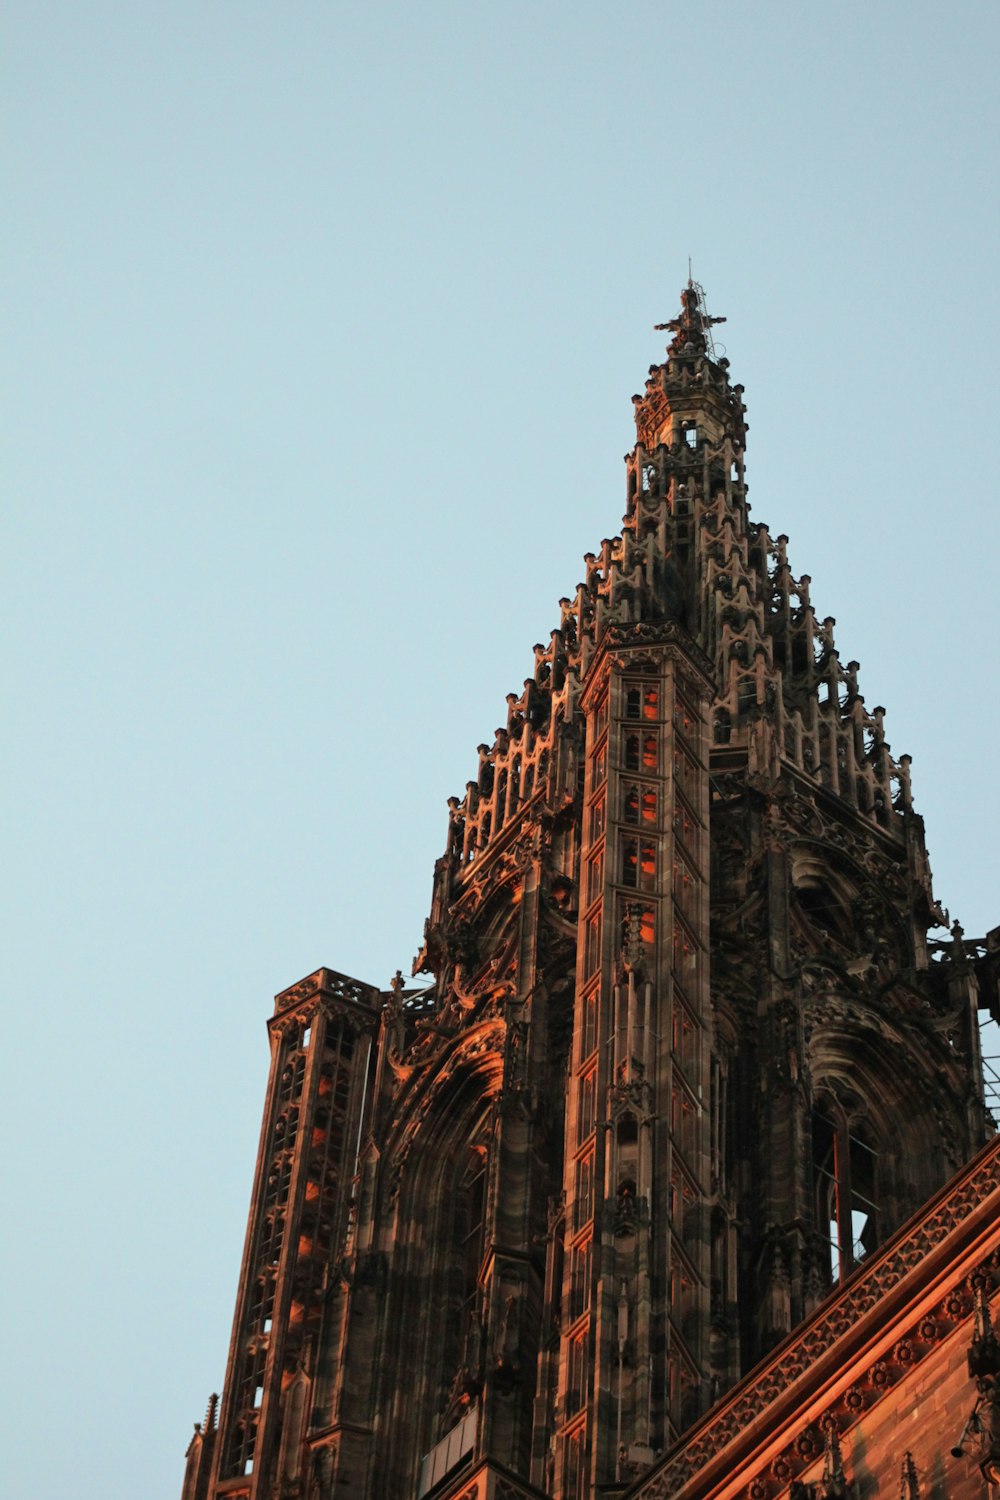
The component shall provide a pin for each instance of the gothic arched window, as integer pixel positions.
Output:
(459, 1329)
(825, 902)
(472, 1229)
(845, 1173)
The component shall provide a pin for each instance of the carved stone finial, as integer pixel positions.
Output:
(833, 1485)
(632, 955)
(984, 1350)
(909, 1484)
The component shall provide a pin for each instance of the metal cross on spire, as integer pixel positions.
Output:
(691, 329)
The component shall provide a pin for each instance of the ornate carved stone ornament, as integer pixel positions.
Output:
(874, 1281)
(981, 1434)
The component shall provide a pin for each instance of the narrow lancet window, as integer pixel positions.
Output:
(845, 1176)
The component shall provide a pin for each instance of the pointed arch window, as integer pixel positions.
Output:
(578, 1291)
(574, 1465)
(845, 1173)
(600, 761)
(576, 1366)
(587, 1106)
(583, 1192)
(462, 1250)
(592, 944)
(588, 1022)
(472, 1228)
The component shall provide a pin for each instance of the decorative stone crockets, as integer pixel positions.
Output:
(536, 1213)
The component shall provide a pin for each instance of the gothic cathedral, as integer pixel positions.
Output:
(687, 1054)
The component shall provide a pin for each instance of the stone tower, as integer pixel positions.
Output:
(686, 1054)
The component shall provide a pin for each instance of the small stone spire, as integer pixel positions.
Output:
(199, 1454)
(909, 1484)
(833, 1485)
(984, 1351)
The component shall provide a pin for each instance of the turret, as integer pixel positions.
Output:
(321, 1038)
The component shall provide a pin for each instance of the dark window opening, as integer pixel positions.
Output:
(630, 862)
(473, 1246)
(587, 1105)
(592, 944)
(846, 1184)
(588, 1028)
(746, 699)
(579, 1281)
(824, 910)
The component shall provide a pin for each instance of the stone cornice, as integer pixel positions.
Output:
(652, 638)
(338, 993)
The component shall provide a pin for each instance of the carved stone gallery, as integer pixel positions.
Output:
(688, 1052)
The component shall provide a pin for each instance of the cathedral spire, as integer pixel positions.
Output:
(681, 1065)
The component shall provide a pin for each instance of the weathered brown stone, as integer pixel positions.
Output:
(687, 1057)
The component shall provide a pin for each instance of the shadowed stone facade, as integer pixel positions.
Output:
(686, 1057)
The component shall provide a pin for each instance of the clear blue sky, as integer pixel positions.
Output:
(322, 324)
